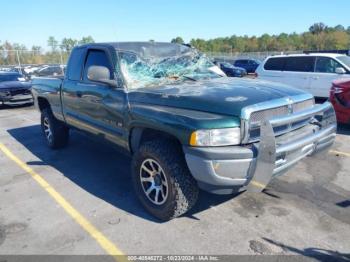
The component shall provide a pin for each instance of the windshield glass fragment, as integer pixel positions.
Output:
(153, 66)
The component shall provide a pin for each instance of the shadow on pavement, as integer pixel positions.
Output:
(318, 254)
(97, 168)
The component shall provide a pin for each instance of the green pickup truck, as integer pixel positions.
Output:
(185, 124)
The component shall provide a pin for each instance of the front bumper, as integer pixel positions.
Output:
(225, 170)
(16, 99)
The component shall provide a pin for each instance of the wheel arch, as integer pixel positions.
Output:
(43, 103)
(139, 135)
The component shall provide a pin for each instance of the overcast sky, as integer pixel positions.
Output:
(32, 22)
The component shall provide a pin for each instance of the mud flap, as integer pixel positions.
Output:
(265, 160)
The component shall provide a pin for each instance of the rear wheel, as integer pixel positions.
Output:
(56, 133)
(162, 180)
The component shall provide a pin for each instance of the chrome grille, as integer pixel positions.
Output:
(258, 116)
(300, 106)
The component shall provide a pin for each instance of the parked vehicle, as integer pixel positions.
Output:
(340, 98)
(230, 70)
(29, 70)
(185, 125)
(312, 72)
(250, 65)
(52, 70)
(13, 89)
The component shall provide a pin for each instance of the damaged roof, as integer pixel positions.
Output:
(158, 49)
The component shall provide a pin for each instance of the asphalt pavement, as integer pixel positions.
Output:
(79, 200)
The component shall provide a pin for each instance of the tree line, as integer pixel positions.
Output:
(318, 37)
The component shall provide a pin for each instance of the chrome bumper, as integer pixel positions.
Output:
(17, 99)
(253, 166)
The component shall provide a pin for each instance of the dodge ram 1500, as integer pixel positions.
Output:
(185, 124)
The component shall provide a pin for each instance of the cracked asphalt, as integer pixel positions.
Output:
(305, 212)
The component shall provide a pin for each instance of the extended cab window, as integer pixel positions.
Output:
(300, 64)
(326, 65)
(74, 64)
(275, 64)
(97, 58)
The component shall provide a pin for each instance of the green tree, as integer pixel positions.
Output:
(36, 49)
(52, 42)
(264, 42)
(317, 28)
(339, 28)
(337, 40)
(86, 40)
(177, 40)
(67, 44)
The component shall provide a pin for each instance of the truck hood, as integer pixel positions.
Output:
(221, 95)
(13, 85)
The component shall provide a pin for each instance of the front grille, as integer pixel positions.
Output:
(258, 116)
(300, 106)
(20, 92)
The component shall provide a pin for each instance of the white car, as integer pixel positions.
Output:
(312, 72)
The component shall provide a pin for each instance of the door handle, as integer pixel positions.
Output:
(79, 94)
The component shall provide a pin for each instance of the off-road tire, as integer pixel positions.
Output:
(183, 189)
(59, 131)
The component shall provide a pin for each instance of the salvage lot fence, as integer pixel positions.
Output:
(19, 58)
(24, 57)
(230, 57)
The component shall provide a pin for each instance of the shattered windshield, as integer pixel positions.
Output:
(159, 66)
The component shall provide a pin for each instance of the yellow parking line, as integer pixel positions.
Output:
(339, 153)
(104, 242)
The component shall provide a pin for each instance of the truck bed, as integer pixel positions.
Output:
(49, 88)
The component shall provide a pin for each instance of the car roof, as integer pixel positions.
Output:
(247, 59)
(332, 55)
(134, 45)
(165, 48)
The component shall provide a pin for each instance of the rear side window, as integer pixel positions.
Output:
(275, 64)
(300, 64)
(241, 62)
(97, 58)
(74, 65)
(252, 62)
(326, 65)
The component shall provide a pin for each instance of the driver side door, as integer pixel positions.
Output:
(102, 107)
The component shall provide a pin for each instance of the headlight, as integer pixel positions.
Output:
(216, 137)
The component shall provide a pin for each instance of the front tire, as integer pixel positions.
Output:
(162, 181)
(56, 133)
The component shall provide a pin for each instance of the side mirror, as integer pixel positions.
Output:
(340, 70)
(101, 74)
